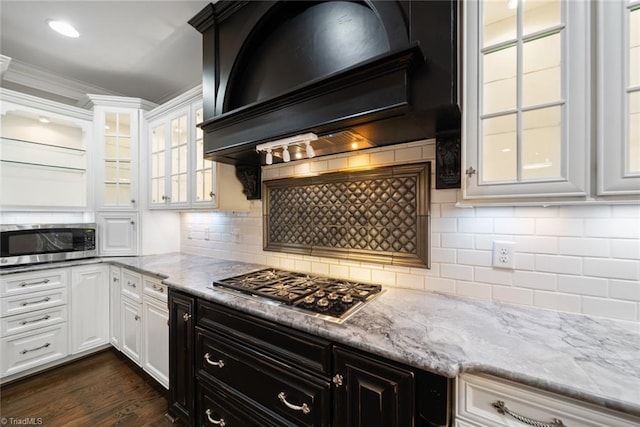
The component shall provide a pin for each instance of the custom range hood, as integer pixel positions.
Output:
(383, 72)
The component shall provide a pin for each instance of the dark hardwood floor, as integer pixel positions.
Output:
(104, 389)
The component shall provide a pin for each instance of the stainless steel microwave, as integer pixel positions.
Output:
(36, 243)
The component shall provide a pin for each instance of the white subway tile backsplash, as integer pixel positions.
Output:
(512, 295)
(564, 255)
(625, 248)
(515, 226)
(623, 310)
(612, 268)
(583, 247)
(558, 264)
(475, 225)
(559, 226)
(581, 285)
(620, 227)
(476, 258)
(557, 301)
(624, 289)
(534, 280)
(473, 290)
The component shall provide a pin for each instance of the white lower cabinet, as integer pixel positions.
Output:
(485, 401)
(89, 307)
(155, 336)
(34, 348)
(131, 327)
(114, 306)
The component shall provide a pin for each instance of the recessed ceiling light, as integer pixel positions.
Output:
(63, 28)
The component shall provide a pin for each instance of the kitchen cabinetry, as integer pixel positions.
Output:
(181, 364)
(131, 314)
(619, 97)
(304, 380)
(179, 175)
(118, 233)
(114, 306)
(488, 401)
(155, 330)
(89, 307)
(527, 99)
(33, 312)
(44, 156)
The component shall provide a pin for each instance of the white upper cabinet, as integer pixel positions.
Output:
(619, 97)
(526, 99)
(44, 154)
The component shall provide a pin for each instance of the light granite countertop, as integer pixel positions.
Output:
(591, 359)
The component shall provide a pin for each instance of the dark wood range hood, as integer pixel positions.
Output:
(383, 70)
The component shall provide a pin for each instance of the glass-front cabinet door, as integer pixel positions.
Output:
(525, 106)
(619, 97)
(204, 170)
(119, 160)
(169, 156)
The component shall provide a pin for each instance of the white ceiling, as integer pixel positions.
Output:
(141, 49)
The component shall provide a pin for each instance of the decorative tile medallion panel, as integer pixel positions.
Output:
(379, 215)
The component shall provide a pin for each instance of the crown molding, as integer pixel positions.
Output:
(186, 98)
(92, 100)
(4, 64)
(41, 104)
(33, 77)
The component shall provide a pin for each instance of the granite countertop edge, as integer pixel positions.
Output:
(422, 330)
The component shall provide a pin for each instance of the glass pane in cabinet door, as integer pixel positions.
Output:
(634, 133)
(199, 116)
(157, 139)
(539, 15)
(124, 124)
(499, 23)
(499, 149)
(161, 163)
(499, 78)
(182, 186)
(541, 143)
(208, 185)
(156, 196)
(111, 147)
(124, 148)
(124, 194)
(199, 155)
(542, 79)
(125, 172)
(199, 185)
(110, 124)
(634, 48)
(111, 171)
(182, 165)
(111, 194)
(175, 159)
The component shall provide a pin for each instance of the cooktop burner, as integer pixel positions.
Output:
(333, 299)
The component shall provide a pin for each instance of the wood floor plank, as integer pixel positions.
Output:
(101, 390)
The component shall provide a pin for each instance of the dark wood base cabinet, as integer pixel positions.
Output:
(233, 369)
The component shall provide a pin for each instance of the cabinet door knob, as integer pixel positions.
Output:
(137, 317)
(470, 171)
(186, 317)
(212, 194)
(133, 201)
(337, 380)
(133, 223)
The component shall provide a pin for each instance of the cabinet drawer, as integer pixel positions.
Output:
(21, 283)
(32, 320)
(290, 393)
(217, 406)
(478, 396)
(31, 349)
(131, 285)
(301, 350)
(154, 288)
(17, 304)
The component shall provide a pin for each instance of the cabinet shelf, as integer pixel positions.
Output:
(42, 165)
(70, 150)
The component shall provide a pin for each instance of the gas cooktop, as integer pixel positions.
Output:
(325, 297)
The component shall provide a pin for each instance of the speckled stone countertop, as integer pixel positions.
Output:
(591, 359)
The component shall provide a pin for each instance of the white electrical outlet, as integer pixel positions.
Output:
(206, 233)
(235, 235)
(503, 253)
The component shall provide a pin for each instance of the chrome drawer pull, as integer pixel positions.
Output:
(133, 285)
(502, 409)
(47, 299)
(304, 408)
(158, 288)
(25, 351)
(219, 422)
(41, 282)
(219, 363)
(25, 322)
